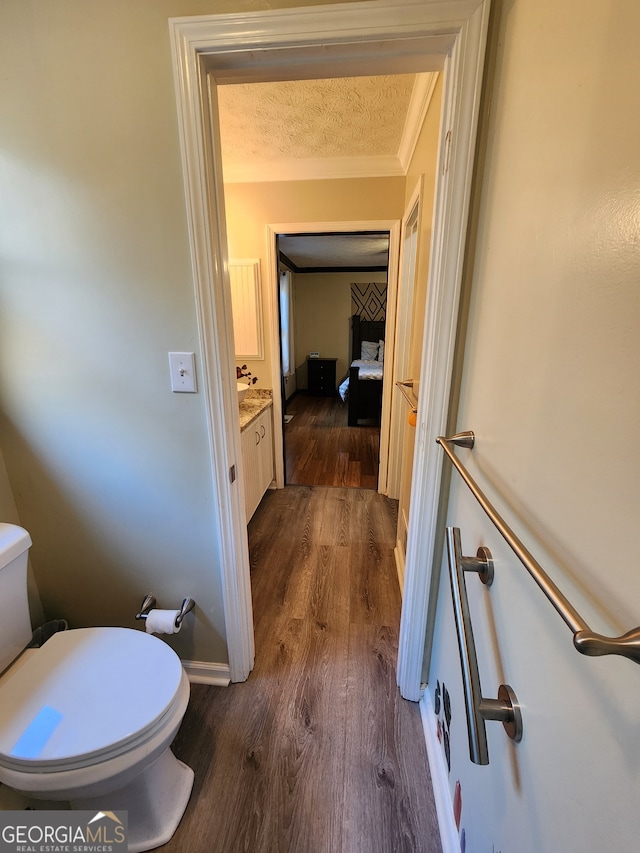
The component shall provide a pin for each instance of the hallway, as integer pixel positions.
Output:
(321, 450)
(316, 752)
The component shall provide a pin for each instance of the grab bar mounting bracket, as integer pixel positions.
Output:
(461, 439)
(482, 564)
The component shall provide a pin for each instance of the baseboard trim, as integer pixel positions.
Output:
(449, 835)
(200, 672)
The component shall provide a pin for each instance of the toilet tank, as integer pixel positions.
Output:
(15, 622)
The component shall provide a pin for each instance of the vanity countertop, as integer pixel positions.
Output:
(256, 401)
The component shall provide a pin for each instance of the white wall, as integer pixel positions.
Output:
(550, 387)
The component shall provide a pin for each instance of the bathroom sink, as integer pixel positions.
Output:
(242, 391)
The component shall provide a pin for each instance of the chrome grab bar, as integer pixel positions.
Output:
(505, 708)
(586, 641)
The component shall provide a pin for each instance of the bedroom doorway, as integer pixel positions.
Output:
(326, 284)
(338, 341)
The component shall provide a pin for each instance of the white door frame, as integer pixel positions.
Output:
(393, 227)
(408, 268)
(371, 37)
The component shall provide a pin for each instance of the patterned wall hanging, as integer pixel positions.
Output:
(369, 300)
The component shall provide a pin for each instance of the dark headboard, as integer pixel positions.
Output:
(364, 330)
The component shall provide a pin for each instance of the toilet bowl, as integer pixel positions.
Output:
(88, 719)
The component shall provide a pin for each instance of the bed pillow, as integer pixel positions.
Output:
(380, 350)
(369, 350)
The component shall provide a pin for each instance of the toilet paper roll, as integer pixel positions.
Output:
(162, 622)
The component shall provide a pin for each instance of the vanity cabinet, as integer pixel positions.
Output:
(257, 459)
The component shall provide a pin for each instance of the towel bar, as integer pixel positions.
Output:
(586, 641)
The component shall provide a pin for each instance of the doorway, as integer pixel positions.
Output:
(337, 228)
(317, 41)
(324, 281)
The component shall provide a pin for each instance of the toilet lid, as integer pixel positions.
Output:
(85, 694)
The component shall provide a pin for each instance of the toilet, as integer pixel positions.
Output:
(88, 718)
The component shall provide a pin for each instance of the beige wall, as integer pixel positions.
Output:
(550, 388)
(109, 469)
(9, 515)
(8, 509)
(251, 207)
(322, 318)
(424, 164)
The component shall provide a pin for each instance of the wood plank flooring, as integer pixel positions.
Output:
(321, 450)
(316, 752)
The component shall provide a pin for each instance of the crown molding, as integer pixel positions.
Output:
(314, 168)
(330, 168)
(421, 98)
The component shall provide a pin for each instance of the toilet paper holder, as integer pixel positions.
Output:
(149, 603)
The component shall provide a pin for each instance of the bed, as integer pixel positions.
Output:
(362, 388)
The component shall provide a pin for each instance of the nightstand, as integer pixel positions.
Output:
(321, 376)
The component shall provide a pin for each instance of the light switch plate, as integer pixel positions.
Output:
(182, 369)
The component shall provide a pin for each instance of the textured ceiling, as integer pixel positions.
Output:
(303, 129)
(317, 251)
(308, 129)
(314, 118)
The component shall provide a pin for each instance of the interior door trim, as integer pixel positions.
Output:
(371, 37)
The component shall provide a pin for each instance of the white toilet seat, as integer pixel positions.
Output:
(88, 696)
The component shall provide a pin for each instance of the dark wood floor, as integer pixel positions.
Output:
(321, 450)
(316, 752)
